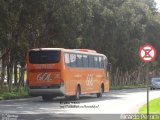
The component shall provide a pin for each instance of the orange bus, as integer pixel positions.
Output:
(53, 72)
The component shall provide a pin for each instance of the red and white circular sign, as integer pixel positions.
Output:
(147, 53)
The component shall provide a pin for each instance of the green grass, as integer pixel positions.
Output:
(126, 87)
(14, 95)
(154, 107)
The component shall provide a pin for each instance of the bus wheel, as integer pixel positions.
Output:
(68, 97)
(47, 98)
(101, 92)
(78, 92)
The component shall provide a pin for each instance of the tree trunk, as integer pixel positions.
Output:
(9, 78)
(8, 74)
(2, 75)
(15, 73)
(21, 80)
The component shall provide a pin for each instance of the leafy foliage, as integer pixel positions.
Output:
(116, 28)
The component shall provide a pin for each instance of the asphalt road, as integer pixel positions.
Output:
(112, 104)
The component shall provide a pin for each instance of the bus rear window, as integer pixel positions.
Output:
(44, 57)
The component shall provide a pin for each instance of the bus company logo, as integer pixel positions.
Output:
(90, 80)
(44, 77)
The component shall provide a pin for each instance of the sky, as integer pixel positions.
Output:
(158, 4)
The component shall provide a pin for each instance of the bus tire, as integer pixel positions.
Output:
(78, 92)
(47, 98)
(101, 92)
(68, 97)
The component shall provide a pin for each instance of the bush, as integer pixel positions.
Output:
(14, 95)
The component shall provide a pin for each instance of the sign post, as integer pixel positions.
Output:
(147, 53)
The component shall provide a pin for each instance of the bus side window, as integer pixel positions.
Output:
(73, 60)
(100, 62)
(91, 61)
(105, 63)
(85, 61)
(96, 63)
(66, 59)
(79, 60)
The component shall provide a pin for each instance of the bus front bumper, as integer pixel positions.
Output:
(46, 91)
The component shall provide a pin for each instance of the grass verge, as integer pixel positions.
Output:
(14, 95)
(154, 107)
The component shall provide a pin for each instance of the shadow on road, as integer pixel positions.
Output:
(113, 94)
(83, 99)
(35, 105)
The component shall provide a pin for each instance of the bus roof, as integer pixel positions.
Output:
(82, 51)
(39, 49)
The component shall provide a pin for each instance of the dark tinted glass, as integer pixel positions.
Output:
(156, 79)
(91, 61)
(103, 62)
(96, 62)
(79, 60)
(73, 60)
(100, 62)
(44, 57)
(85, 61)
